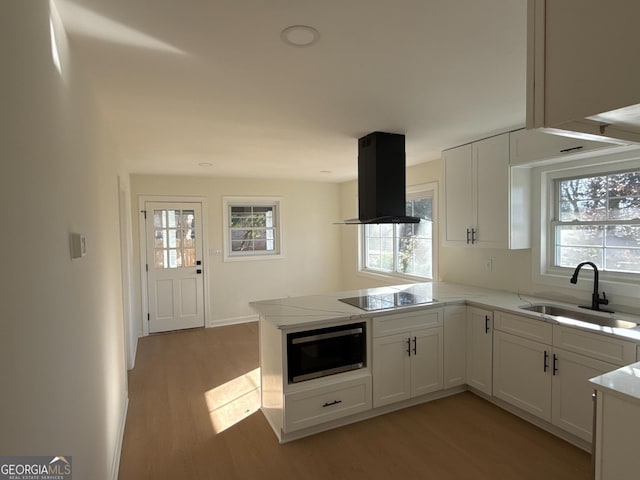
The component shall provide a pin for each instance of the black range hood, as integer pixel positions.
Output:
(381, 180)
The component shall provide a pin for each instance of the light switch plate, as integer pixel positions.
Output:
(78, 245)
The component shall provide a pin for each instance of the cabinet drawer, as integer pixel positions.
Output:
(536, 330)
(601, 347)
(405, 322)
(311, 407)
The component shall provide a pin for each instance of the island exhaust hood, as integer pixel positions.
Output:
(381, 180)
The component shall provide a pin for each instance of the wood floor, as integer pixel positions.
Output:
(188, 389)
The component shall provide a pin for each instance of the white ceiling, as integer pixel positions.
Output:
(185, 82)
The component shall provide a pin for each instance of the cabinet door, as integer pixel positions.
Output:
(458, 195)
(391, 369)
(455, 345)
(522, 373)
(568, 63)
(426, 361)
(491, 166)
(572, 404)
(479, 349)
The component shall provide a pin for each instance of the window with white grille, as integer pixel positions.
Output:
(252, 227)
(597, 218)
(404, 249)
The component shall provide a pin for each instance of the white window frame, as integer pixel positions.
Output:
(411, 191)
(544, 197)
(276, 203)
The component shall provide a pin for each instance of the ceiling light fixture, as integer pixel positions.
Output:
(300, 36)
(206, 164)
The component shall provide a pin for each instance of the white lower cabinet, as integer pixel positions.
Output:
(391, 369)
(479, 349)
(522, 373)
(306, 408)
(572, 402)
(426, 361)
(455, 345)
(546, 381)
(407, 364)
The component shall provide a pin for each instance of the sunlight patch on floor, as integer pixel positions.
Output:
(233, 401)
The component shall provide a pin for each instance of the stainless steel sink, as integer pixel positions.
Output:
(577, 315)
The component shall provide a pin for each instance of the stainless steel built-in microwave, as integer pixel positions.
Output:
(326, 351)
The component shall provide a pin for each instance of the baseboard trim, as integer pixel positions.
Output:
(115, 467)
(134, 354)
(233, 321)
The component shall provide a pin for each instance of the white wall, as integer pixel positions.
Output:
(312, 257)
(512, 269)
(62, 365)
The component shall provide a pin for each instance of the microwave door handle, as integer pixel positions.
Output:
(324, 336)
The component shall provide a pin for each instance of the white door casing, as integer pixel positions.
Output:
(174, 265)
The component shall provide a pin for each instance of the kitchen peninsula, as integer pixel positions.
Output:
(453, 339)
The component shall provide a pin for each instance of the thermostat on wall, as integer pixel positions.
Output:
(78, 245)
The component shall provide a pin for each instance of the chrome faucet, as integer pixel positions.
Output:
(596, 301)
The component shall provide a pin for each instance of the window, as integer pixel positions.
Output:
(597, 218)
(174, 238)
(404, 249)
(252, 227)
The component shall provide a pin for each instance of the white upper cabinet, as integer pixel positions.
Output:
(459, 194)
(535, 147)
(582, 68)
(486, 202)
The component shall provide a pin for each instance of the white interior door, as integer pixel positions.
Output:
(174, 265)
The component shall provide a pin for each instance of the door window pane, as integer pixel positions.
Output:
(159, 259)
(172, 218)
(174, 238)
(159, 219)
(189, 257)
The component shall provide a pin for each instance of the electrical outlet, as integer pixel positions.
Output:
(489, 265)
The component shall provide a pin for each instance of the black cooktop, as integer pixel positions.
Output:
(386, 300)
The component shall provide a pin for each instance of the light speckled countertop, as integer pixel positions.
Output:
(624, 381)
(313, 310)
